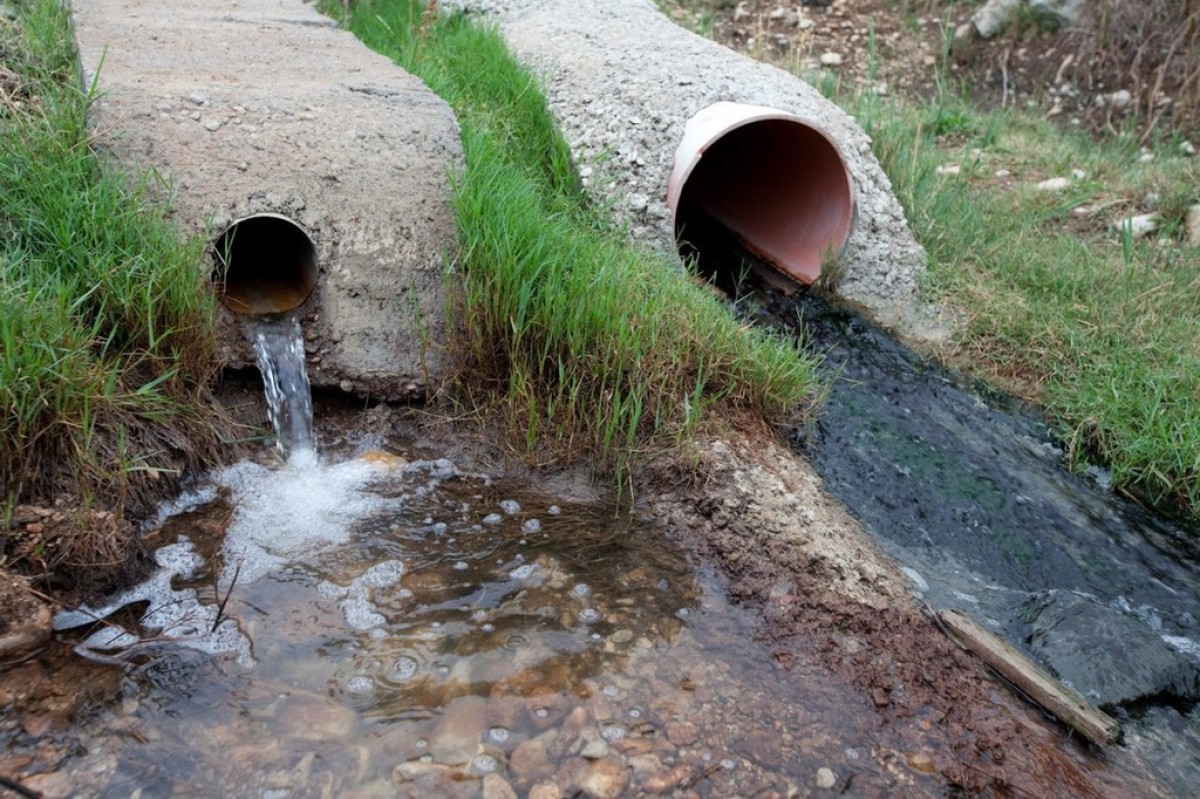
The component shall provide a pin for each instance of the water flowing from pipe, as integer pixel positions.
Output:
(279, 348)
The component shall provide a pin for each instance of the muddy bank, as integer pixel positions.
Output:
(827, 593)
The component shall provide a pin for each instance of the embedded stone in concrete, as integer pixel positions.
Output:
(265, 107)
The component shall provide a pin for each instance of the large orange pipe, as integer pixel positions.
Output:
(775, 180)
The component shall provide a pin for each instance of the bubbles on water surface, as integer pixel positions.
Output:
(531, 526)
(581, 589)
(498, 735)
(510, 506)
(360, 684)
(404, 669)
(612, 732)
(493, 518)
(484, 764)
(590, 615)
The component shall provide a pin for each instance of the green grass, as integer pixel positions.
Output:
(105, 324)
(1102, 330)
(1060, 308)
(599, 348)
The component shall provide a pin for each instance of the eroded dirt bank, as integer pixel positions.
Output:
(827, 594)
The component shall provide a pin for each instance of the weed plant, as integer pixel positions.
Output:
(597, 346)
(105, 326)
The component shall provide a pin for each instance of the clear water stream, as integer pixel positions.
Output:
(278, 344)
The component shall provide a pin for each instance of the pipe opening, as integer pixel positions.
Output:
(264, 264)
(758, 182)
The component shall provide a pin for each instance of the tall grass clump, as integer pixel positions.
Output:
(105, 325)
(1101, 329)
(597, 346)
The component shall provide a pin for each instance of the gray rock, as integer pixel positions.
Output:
(994, 16)
(1192, 226)
(1109, 657)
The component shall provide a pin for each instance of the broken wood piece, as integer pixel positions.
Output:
(1068, 705)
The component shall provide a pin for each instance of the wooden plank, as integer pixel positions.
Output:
(1068, 705)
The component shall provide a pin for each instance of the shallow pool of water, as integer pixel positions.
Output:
(430, 630)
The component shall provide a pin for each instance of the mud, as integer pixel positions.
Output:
(828, 593)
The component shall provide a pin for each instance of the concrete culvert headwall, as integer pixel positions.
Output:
(623, 82)
(318, 170)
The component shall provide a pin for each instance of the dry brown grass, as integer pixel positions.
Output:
(1152, 47)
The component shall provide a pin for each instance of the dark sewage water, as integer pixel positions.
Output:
(972, 495)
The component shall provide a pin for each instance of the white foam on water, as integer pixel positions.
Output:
(1184, 645)
(177, 616)
(294, 513)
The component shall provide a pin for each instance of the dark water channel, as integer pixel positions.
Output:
(971, 494)
(405, 629)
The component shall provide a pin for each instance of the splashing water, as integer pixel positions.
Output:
(279, 348)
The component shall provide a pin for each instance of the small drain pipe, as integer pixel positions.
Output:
(264, 264)
(774, 180)
(669, 129)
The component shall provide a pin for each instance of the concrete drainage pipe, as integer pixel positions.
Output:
(623, 81)
(775, 181)
(321, 169)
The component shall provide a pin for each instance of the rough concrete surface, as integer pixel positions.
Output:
(622, 81)
(264, 106)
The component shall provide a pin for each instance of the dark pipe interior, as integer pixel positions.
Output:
(264, 264)
(777, 186)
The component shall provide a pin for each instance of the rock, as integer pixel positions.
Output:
(1191, 226)
(921, 761)
(1138, 226)
(826, 778)
(530, 760)
(1053, 184)
(605, 778)
(831, 59)
(1119, 100)
(25, 621)
(316, 721)
(963, 43)
(496, 787)
(994, 16)
(418, 779)
(1060, 12)
(668, 780)
(949, 169)
(545, 790)
(682, 733)
(458, 733)
(1108, 656)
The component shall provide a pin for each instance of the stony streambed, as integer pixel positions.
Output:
(420, 631)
